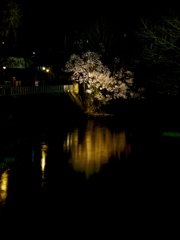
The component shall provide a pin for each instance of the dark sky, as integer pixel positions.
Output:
(50, 20)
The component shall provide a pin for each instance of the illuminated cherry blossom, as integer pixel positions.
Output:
(99, 82)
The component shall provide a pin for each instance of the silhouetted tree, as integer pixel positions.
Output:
(10, 21)
(98, 34)
(161, 52)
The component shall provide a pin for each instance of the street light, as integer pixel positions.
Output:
(3, 72)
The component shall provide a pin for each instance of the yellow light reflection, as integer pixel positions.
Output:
(44, 148)
(3, 186)
(96, 147)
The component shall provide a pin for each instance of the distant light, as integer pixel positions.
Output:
(43, 68)
(47, 70)
(2, 42)
(4, 67)
(34, 53)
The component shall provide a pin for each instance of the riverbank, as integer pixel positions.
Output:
(25, 116)
(39, 110)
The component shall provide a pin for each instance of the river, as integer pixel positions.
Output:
(75, 171)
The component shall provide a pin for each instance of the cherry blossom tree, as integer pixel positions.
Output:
(100, 85)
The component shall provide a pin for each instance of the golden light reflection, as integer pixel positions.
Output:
(44, 148)
(96, 147)
(3, 186)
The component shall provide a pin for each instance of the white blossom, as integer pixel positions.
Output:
(100, 82)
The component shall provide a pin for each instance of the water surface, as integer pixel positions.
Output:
(98, 168)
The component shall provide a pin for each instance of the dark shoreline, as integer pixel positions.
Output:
(163, 111)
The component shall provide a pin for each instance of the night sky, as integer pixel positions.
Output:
(47, 22)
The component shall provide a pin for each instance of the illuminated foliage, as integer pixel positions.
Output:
(100, 84)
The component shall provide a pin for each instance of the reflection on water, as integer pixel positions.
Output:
(3, 186)
(94, 148)
(61, 171)
(44, 148)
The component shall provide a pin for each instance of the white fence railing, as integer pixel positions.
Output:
(25, 90)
